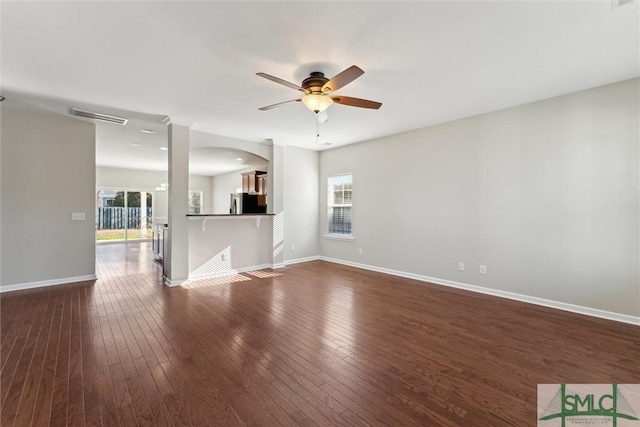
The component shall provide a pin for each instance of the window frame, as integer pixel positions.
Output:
(332, 205)
(191, 209)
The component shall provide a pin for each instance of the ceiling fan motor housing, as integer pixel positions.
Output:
(314, 83)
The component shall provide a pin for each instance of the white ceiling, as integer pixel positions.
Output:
(427, 62)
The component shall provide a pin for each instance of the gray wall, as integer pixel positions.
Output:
(222, 187)
(129, 179)
(228, 244)
(204, 184)
(301, 210)
(48, 172)
(546, 195)
(137, 179)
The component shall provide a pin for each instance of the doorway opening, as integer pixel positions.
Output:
(123, 215)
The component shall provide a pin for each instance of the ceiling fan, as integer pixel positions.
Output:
(318, 90)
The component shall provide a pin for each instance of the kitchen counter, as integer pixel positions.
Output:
(205, 217)
(223, 244)
(223, 215)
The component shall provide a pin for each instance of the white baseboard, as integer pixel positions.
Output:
(300, 260)
(588, 311)
(173, 283)
(43, 283)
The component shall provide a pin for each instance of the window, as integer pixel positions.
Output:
(123, 214)
(195, 202)
(339, 204)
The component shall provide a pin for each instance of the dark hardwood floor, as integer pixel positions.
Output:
(311, 344)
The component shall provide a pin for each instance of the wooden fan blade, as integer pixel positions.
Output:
(342, 79)
(356, 102)
(269, 107)
(280, 81)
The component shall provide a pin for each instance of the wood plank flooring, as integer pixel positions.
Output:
(311, 344)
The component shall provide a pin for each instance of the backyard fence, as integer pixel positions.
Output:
(118, 218)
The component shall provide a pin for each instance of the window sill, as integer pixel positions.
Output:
(339, 237)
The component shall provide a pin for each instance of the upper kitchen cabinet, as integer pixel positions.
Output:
(254, 182)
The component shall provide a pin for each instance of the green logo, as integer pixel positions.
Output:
(580, 406)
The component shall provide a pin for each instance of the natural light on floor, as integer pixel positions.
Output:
(260, 274)
(218, 271)
(216, 281)
(231, 278)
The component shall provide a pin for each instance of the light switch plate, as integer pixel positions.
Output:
(78, 216)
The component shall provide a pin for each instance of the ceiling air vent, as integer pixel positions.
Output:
(98, 116)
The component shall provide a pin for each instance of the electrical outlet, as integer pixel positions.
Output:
(483, 269)
(293, 248)
(461, 266)
(360, 251)
(78, 216)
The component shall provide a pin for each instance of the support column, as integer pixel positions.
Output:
(177, 238)
(275, 203)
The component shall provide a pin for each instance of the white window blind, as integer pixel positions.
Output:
(339, 204)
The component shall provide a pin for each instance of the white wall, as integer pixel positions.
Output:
(546, 195)
(301, 209)
(48, 172)
(223, 186)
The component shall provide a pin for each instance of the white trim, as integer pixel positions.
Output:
(253, 268)
(180, 121)
(43, 283)
(201, 200)
(588, 311)
(173, 283)
(347, 237)
(300, 260)
(278, 265)
(331, 205)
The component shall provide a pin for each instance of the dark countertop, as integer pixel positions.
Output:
(229, 215)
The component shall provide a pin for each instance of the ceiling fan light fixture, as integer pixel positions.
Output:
(317, 103)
